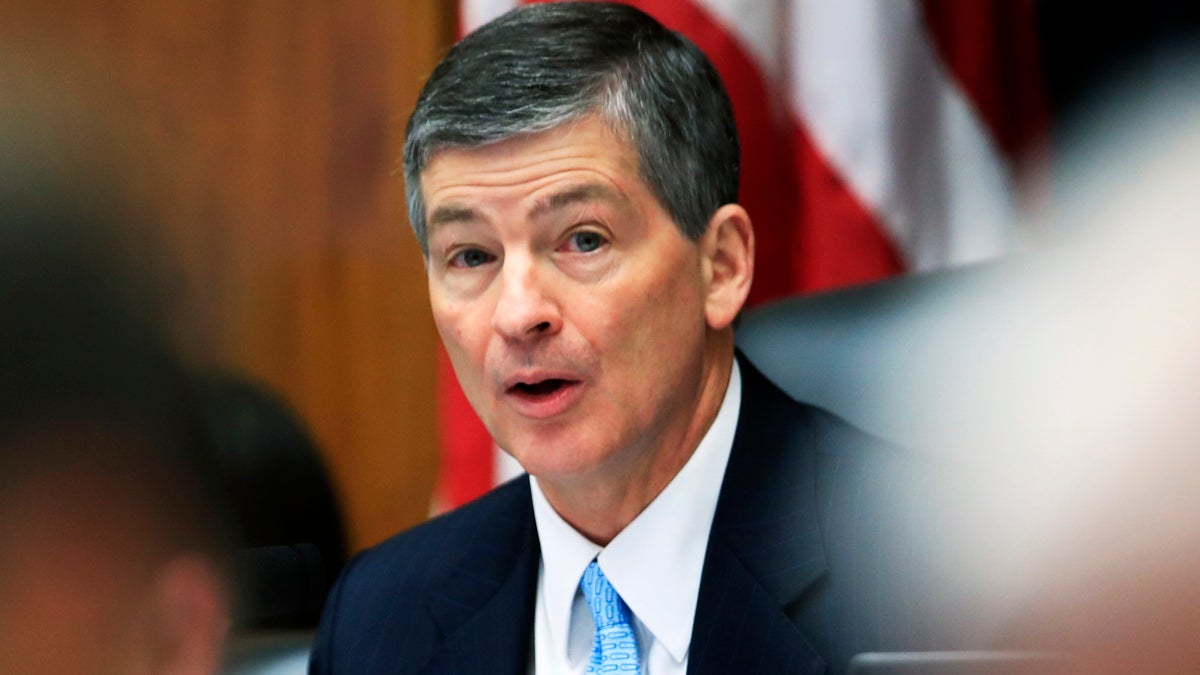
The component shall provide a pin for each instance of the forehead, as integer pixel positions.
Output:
(582, 151)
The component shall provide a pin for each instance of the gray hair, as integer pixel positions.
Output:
(543, 65)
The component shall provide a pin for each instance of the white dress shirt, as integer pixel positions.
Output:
(654, 563)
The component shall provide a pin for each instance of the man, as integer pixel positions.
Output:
(572, 176)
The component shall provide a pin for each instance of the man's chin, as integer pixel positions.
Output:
(551, 465)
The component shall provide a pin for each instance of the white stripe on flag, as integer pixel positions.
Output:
(475, 13)
(883, 110)
(761, 31)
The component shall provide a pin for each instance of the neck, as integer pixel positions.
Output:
(602, 504)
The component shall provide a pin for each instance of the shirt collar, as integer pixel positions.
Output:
(565, 555)
(656, 561)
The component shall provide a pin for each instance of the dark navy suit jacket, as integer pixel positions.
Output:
(825, 543)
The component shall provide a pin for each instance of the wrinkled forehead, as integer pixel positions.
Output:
(582, 144)
(533, 179)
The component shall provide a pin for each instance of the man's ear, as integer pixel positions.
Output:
(728, 249)
(189, 617)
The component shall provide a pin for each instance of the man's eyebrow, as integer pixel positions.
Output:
(450, 214)
(575, 195)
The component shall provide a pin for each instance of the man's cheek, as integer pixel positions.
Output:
(456, 322)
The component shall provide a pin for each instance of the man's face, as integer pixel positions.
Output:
(572, 307)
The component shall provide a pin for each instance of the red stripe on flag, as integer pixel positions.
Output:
(466, 469)
(990, 48)
(839, 241)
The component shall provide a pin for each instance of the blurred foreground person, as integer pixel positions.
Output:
(112, 545)
(291, 537)
(1114, 570)
(1067, 380)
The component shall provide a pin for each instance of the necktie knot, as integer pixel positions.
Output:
(615, 647)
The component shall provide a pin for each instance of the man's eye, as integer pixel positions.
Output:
(585, 241)
(471, 257)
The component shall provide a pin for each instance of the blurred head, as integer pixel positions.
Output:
(279, 491)
(111, 559)
(112, 541)
(112, 544)
(571, 172)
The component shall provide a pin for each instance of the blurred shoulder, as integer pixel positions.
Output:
(768, 414)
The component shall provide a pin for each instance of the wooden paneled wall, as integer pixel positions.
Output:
(273, 131)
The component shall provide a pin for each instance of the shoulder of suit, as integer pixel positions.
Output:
(442, 538)
(379, 608)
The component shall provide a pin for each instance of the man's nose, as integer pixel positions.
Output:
(528, 307)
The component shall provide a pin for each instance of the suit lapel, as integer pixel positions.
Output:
(764, 551)
(766, 547)
(485, 607)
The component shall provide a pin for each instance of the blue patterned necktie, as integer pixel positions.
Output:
(615, 649)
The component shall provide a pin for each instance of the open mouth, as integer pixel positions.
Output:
(544, 398)
(539, 389)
